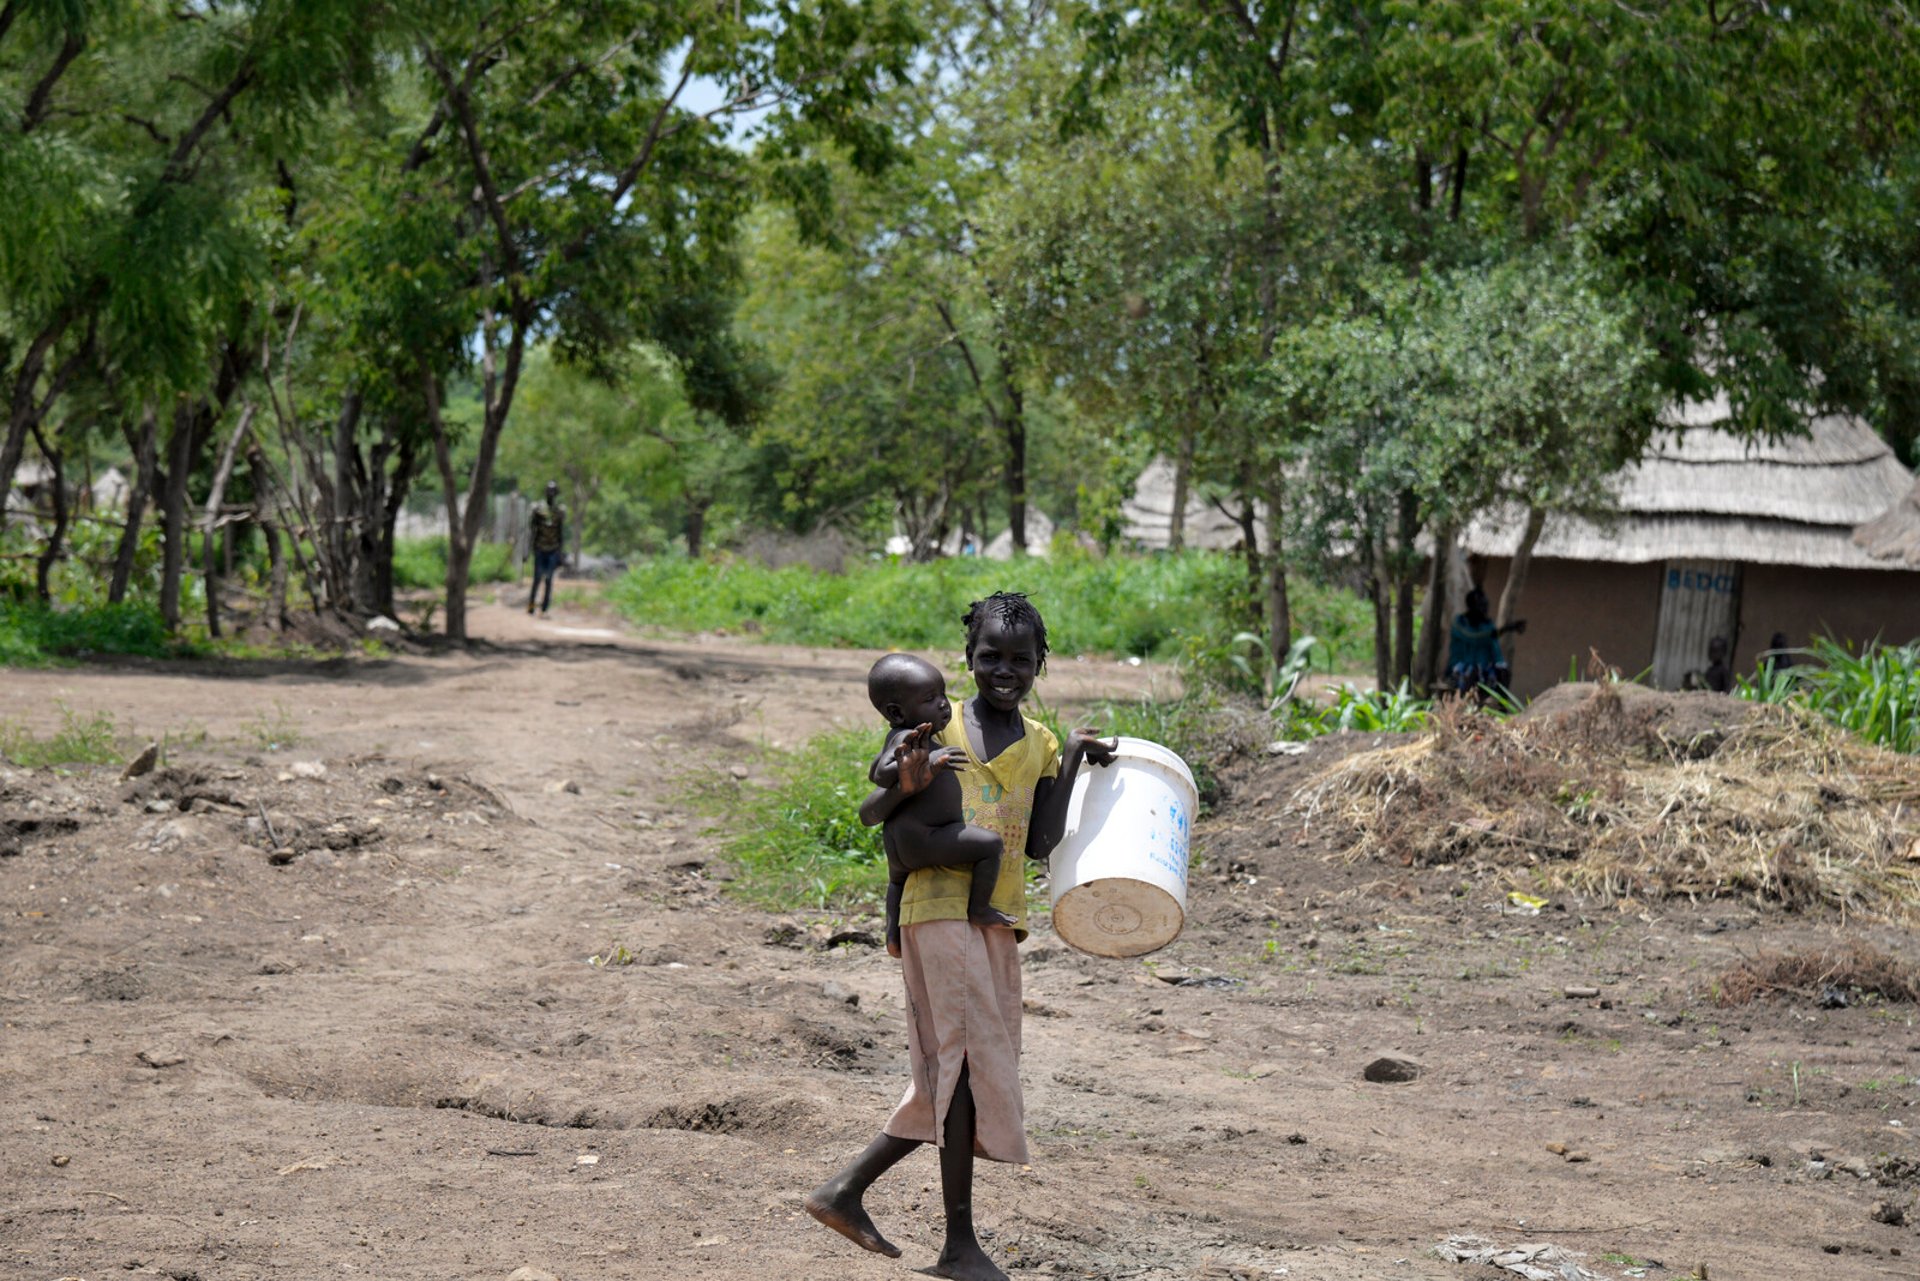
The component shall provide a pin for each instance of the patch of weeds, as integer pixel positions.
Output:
(1359, 961)
(615, 955)
(275, 732)
(80, 740)
(798, 842)
(35, 635)
(192, 734)
(1843, 974)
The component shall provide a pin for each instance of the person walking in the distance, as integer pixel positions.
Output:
(547, 533)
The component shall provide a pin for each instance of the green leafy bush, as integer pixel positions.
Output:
(1875, 693)
(32, 634)
(1371, 711)
(1155, 606)
(422, 562)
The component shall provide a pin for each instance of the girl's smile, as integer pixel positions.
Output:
(1004, 663)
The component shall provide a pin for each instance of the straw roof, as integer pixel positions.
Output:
(1149, 513)
(1893, 537)
(1704, 493)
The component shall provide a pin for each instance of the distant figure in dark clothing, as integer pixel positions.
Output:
(1719, 676)
(547, 533)
(1474, 660)
(1778, 655)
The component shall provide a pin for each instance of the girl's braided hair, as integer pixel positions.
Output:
(1011, 609)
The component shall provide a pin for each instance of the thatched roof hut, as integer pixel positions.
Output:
(1715, 535)
(1149, 514)
(1894, 535)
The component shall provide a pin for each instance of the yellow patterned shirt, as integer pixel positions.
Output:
(996, 795)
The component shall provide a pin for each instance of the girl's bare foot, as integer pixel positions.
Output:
(991, 918)
(842, 1212)
(967, 1263)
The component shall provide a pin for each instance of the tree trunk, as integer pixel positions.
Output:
(1016, 426)
(1378, 596)
(1248, 519)
(181, 448)
(144, 446)
(696, 525)
(348, 531)
(1182, 484)
(459, 565)
(43, 568)
(26, 407)
(276, 562)
(1409, 532)
(1279, 611)
(210, 580)
(389, 520)
(1517, 578)
(216, 495)
(1435, 619)
(1279, 605)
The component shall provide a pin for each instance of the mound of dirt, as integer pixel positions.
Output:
(1622, 792)
(1623, 717)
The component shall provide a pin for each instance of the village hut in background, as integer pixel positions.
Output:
(1718, 536)
(1148, 514)
(1894, 535)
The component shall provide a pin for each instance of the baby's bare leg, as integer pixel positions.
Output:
(986, 874)
(955, 845)
(896, 879)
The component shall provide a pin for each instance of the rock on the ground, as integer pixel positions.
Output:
(1391, 1071)
(307, 769)
(531, 1274)
(143, 763)
(834, 990)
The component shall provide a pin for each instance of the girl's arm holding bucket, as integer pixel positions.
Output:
(1050, 795)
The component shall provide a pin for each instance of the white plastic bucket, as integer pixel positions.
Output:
(1120, 872)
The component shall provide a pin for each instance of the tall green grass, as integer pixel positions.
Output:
(798, 842)
(1156, 607)
(422, 562)
(33, 634)
(1874, 693)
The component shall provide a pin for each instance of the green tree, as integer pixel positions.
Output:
(1514, 388)
(552, 182)
(608, 436)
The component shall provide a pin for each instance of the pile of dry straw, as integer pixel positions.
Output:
(1614, 790)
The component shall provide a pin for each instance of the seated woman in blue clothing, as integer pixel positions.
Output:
(1474, 660)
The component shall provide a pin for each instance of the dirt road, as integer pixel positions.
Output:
(334, 1017)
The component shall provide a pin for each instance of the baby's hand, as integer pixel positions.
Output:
(915, 759)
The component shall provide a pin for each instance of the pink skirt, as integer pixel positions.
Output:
(963, 1008)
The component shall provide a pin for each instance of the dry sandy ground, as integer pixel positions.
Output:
(388, 1057)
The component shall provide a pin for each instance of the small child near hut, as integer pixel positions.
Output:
(928, 829)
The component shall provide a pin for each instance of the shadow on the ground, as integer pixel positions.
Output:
(424, 665)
